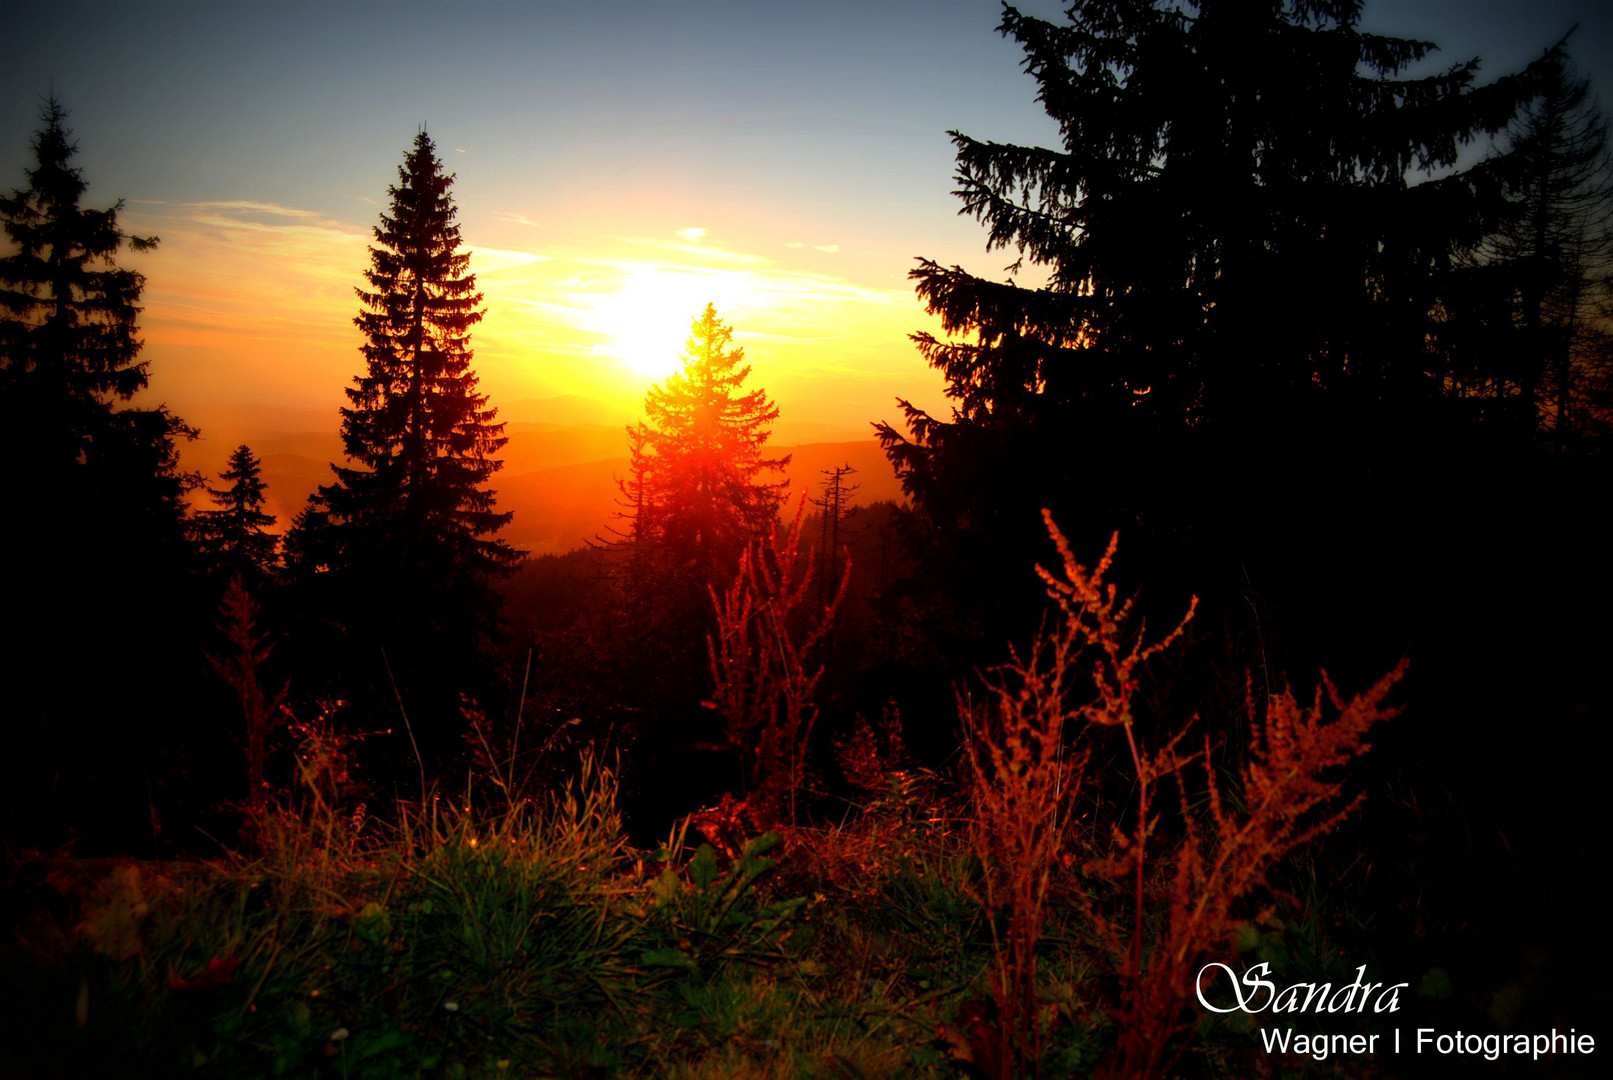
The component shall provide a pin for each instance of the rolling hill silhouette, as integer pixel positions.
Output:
(558, 478)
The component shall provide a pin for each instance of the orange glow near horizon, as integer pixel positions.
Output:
(249, 307)
(248, 326)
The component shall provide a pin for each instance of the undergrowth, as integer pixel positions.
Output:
(943, 929)
(532, 941)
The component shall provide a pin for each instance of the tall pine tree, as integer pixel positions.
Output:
(698, 490)
(399, 551)
(94, 540)
(410, 504)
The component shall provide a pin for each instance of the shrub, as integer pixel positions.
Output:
(1156, 918)
(762, 662)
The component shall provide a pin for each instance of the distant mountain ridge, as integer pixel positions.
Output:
(559, 508)
(560, 480)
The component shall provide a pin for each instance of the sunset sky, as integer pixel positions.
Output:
(618, 164)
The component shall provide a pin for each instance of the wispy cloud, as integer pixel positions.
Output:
(486, 259)
(705, 252)
(248, 273)
(246, 206)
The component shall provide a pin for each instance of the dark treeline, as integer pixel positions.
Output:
(1322, 332)
(1323, 336)
(104, 617)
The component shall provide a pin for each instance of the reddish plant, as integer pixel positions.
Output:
(1290, 792)
(262, 709)
(1024, 768)
(1024, 773)
(873, 757)
(762, 662)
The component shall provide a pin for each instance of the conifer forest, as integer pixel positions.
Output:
(735, 541)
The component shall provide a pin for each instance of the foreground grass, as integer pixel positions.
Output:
(530, 943)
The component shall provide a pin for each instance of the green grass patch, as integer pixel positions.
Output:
(532, 942)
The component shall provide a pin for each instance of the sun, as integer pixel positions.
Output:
(649, 330)
(647, 319)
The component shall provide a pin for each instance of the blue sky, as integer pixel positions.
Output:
(833, 111)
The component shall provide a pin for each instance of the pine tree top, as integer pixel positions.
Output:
(696, 493)
(701, 403)
(244, 486)
(1229, 173)
(1561, 173)
(70, 351)
(71, 308)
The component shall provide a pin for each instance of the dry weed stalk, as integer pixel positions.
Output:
(264, 711)
(1023, 780)
(1290, 793)
(760, 660)
(1092, 617)
(1024, 774)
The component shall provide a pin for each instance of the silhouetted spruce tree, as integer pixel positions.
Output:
(418, 435)
(1558, 250)
(401, 546)
(95, 533)
(1234, 257)
(68, 350)
(235, 538)
(697, 493)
